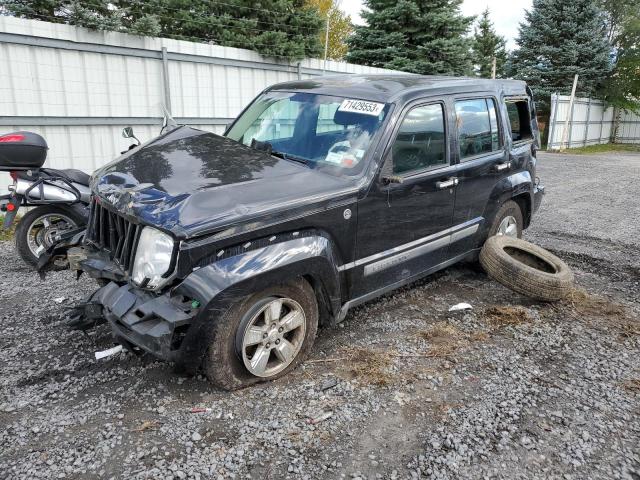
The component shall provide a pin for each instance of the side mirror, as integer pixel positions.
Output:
(387, 180)
(127, 132)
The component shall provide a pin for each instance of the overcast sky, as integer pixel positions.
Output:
(506, 15)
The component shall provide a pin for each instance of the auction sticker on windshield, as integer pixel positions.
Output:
(360, 106)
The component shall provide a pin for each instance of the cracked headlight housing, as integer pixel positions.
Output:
(153, 258)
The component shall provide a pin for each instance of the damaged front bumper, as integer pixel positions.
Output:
(156, 323)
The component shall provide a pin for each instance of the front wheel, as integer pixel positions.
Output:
(262, 337)
(37, 230)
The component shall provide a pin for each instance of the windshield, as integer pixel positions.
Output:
(324, 132)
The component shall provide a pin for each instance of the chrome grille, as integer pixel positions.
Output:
(114, 233)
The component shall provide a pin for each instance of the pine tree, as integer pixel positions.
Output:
(419, 36)
(557, 40)
(487, 45)
(279, 28)
(622, 88)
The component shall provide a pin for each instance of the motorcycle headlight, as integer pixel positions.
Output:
(153, 257)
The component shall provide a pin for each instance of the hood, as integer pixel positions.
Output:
(192, 182)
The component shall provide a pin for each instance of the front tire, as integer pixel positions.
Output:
(262, 337)
(38, 228)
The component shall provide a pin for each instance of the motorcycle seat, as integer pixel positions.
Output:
(76, 176)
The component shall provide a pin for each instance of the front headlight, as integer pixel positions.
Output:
(153, 257)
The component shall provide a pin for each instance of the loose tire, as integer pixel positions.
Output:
(39, 226)
(263, 336)
(508, 221)
(526, 268)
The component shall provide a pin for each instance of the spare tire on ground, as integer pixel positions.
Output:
(526, 268)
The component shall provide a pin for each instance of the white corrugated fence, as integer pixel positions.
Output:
(590, 122)
(78, 88)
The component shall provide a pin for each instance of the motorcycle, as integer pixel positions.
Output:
(59, 198)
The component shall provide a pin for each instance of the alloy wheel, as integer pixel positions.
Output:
(508, 227)
(273, 337)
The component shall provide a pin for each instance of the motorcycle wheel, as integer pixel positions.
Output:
(37, 229)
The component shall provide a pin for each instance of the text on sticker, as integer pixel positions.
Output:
(360, 106)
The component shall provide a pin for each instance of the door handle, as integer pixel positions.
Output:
(501, 167)
(450, 183)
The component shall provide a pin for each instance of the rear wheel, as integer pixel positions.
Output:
(263, 337)
(508, 221)
(37, 230)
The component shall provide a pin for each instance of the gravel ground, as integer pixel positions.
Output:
(401, 389)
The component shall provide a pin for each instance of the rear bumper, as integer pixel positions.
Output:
(538, 193)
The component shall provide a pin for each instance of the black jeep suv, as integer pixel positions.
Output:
(226, 252)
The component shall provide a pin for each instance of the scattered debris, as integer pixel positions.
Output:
(460, 306)
(319, 418)
(59, 299)
(146, 425)
(108, 352)
(196, 437)
(200, 410)
(329, 383)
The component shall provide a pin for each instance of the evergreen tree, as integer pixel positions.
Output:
(280, 28)
(622, 88)
(558, 39)
(487, 45)
(419, 36)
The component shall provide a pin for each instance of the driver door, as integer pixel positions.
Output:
(404, 222)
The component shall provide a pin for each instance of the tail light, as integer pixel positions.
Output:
(12, 138)
(14, 175)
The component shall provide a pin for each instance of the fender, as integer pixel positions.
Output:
(516, 184)
(221, 283)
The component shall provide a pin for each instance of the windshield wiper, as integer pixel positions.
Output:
(288, 156)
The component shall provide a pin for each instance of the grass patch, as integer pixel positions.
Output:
(507, 315)
(371, 366)
(6, 235)
(605, 148)
(632, 385)
(585, 303)
(444, 339)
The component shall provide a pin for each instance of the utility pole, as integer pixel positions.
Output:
(565, 132)
(494, 66)
(326, 43)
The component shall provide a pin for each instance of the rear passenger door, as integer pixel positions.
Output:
(483, 161)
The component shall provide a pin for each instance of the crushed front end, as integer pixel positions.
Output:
(138, 303)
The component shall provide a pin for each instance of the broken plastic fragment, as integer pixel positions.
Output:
(59, 299)
(195, 304)
(108, 352)
(460, 306)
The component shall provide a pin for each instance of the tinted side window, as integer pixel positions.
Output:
(420, 143)
(520, 120)
(478, 130)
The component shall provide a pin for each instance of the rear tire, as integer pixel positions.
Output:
(24, 228)
(509, 212)
(249, 330)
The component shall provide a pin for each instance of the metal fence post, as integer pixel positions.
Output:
(588, 122)
(299, 70)
(604, 111)
(165, 80)
(555, 101)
